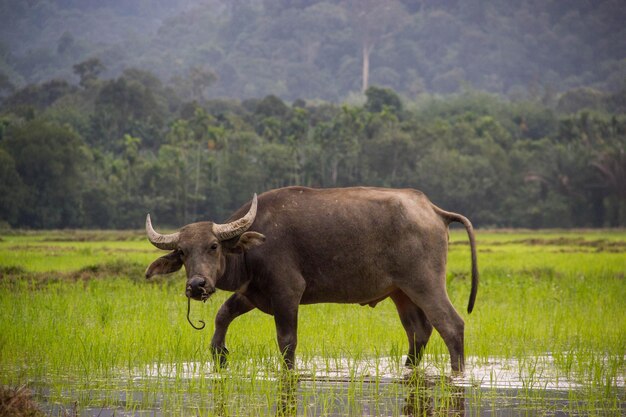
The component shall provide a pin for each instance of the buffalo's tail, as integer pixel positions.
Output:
(450, 217)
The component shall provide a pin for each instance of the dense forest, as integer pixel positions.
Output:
(512, 113)
(104, 153)
(312, 49)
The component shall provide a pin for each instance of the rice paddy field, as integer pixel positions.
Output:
(87, 335)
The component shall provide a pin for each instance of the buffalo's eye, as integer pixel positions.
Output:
(214, 246)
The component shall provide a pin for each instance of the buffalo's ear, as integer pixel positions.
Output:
(165, 265)
(247, 241)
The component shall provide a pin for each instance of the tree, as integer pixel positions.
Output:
(38, 96)
(378, 98)
(11, 190)
(125, 107)
(65, 43)
(131, 154)
(201, 79)
(562, 172)
(6, 86)
(610, 165)
(48, 159)
(388, 153)
(339, 142)
(194, 85)
(578, 99)
(373, 21)
(88, 71)
(272, 106)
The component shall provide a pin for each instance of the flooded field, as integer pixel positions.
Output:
(87, 335)
(378, 387)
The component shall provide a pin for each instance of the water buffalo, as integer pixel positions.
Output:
(299, 245)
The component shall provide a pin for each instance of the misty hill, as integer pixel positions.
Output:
(316, 49)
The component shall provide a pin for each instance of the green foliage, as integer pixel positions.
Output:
(379, 98)
(49, 161)
(88, 70)
(125, 106)
(38, 97)
(104, 155)
(11, 189)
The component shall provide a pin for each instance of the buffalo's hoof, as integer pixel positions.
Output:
(220, 357)
(412, 361)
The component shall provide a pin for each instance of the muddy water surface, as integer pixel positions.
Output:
(377, 387)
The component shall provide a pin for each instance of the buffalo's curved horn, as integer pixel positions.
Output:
(237, 227)
(165, 242)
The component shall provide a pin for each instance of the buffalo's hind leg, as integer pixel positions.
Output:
(445, 319)
(233, 307)
(418, 328)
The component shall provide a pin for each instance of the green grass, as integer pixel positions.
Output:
(79, 323)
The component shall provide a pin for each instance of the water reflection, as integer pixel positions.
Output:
(219, 398)
(428, 397)
(287, 403)
(415, 395)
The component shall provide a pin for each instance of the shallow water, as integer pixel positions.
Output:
(340, 387)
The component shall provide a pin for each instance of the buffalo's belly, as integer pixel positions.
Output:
(347, 289)
(325, 298)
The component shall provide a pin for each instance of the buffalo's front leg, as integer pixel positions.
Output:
(235, 306)
(287, 336)
(286, 319)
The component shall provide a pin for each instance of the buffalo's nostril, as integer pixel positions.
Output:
(196, 282)
(196, 288)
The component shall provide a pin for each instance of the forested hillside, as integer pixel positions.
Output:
(314, 49)
(512, 113)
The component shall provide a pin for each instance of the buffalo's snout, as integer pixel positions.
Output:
(197, 288)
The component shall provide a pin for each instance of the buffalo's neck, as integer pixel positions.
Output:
(234, 276)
